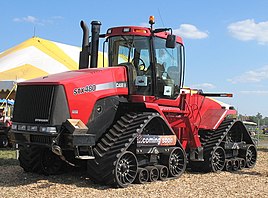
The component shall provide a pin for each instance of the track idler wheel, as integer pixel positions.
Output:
(218, 159)
(126, 169)
(163, 172)
(251, 156)
(153, 173)
(142, 176)
(175, 161)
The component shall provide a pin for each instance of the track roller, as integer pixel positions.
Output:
(163, 172)
(242, 163)
(235, 163)
(228, 165)
(153, 173)
(142, 176)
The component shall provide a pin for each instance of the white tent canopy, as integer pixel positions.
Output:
(37, 57)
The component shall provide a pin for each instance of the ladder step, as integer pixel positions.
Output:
(85, 157)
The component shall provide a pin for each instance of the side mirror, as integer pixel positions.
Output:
(171, 41)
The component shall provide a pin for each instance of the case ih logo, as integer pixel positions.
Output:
(83, 90)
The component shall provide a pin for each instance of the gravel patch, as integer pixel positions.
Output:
(245, 183)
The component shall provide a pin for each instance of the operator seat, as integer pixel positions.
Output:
(160, 69)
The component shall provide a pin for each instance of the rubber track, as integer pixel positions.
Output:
(117, 140)
(211, 139)
(29, 158)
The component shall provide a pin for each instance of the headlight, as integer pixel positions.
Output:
(22, 127)
(14, 127)
(48, 129)
(31, 128)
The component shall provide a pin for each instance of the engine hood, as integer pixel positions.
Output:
(100, 75)
(83, 88)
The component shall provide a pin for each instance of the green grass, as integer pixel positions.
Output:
(261, 136)
(8, 157)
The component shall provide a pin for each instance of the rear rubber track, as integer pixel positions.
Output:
(213, 144)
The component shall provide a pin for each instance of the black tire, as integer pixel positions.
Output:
(3, 141)
(39, 160)
(51, 164)
(29, 158)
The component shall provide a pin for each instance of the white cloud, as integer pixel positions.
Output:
(253, 76)
(190, 31)
(28, 19)
(57, 17)
(36, 21)
(250, 30)
(255, 92)
(203, 86)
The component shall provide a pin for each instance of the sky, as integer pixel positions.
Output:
(226, 42)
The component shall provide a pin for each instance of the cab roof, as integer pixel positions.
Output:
(138, 31)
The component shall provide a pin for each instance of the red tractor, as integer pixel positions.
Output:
(131, 122)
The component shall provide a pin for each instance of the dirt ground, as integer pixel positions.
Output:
(245, 183)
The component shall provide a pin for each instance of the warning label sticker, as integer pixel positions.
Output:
(156, 140)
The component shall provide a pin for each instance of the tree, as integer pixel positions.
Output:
(259, 116)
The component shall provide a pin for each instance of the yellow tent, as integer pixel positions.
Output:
(38, 57)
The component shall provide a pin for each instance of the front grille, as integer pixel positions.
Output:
(41, 139)
(18, 137)
(33, 104)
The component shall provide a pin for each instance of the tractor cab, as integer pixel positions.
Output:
(156, 68)
(154, 58)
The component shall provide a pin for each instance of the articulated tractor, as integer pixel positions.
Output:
(130, 122)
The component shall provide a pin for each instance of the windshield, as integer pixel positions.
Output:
(136, 52)
(168, 68)
(131, 49)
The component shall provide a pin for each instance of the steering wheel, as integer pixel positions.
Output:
(142, 66)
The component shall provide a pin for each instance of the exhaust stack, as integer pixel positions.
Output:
(95, 33)
(84, 54)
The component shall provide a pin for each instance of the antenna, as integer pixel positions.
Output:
(160, 17)
(34, 31)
